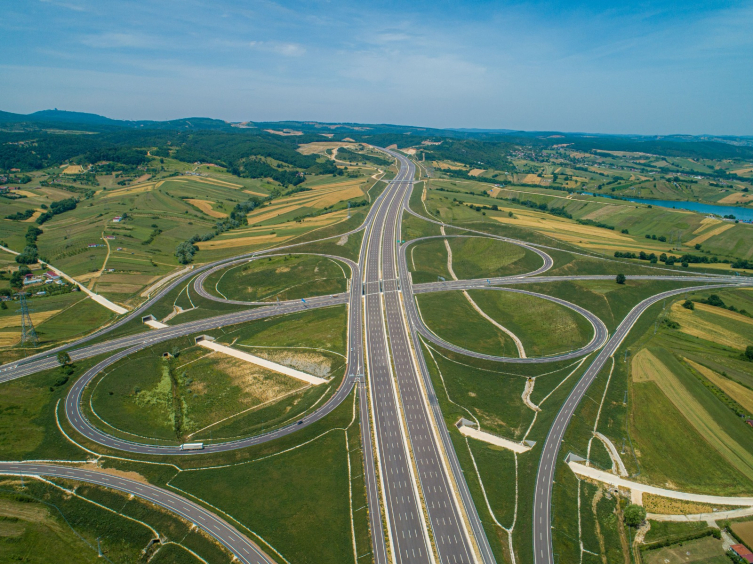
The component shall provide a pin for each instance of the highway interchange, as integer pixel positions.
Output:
(411, 471)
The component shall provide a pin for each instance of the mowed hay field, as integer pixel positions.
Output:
(317, 198)
(741, 394)
(206, 207)
(744, 530)
(658, 369)
(714, 324)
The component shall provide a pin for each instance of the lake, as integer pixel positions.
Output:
(743, 214)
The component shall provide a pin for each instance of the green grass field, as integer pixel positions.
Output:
(543, 327)
(285, 277)
(204, 395)
(38, 520)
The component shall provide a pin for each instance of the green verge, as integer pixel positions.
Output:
(286, 277)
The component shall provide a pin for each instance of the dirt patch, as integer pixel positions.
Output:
(312, 363)
(206, 207)
(258, 384)
(668, 506)
(135, 476)
(36, 318)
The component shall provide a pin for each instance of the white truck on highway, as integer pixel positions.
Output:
(192, 446)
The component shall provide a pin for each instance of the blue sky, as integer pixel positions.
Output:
(638, 67)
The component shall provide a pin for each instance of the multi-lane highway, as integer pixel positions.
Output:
(244, 550)
(411, 458)
(429, 512)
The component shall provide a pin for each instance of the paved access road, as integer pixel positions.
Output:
(244, 549)
(151, 337)
(542, 508)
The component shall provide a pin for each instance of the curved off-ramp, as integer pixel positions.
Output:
(244, 550)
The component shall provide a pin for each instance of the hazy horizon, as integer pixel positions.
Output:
(652, 69)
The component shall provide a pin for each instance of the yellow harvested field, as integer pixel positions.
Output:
(737, 198)
(443, 165)
(322, 146)
(668, 506)
(706, 222)
(724, 313)
(495, 192)
(208, 180)
(9, 338)
(238, 242)
(695, 326)
(529, 179)
(138, 189)
(743, 170)
(26, 193)
(34, 217)
(206, 207)
(646, 367)
(560, 228)
(738, 392)
(269, 213)
(744, 530)
(73, 169)
(262, 194)
(711, 233)
(477, 172)
(36, 318)
(338, 196)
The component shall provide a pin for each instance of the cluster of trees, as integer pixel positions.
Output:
(742, 263)
(669, 260)
(593, 223)
(57, 208)
(21, 215)
(558, 211)
(30, 254)
(661, 238)
(186, 250)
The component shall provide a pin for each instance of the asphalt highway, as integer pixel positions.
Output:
(15, 370)
(481, 283)
(244, 549)
(406, 527)
(542, 508)
(452, 540)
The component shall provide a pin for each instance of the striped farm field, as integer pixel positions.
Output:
(646, 367)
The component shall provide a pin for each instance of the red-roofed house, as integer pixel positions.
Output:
(743, 552)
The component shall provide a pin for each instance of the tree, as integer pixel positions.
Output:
(749, 353)
(64, 358)
(620, 278)
(28, 256)
(185, 252)
(687, 304)
(634, 515)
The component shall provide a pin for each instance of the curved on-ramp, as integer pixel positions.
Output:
(237, 543)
